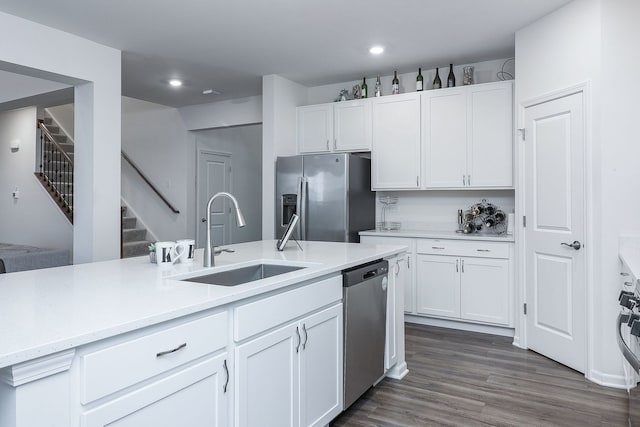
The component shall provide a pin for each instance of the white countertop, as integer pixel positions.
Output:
(54, 309)
(439, 234)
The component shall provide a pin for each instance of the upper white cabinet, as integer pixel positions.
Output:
(467, 136)
(339, 126)
(395, 153)
(315, 128)
(352, 125)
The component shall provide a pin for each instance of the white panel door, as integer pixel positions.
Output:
(315, 128)
(395, 152)
(352, 125)
(195, 396)
(438, 285)
(555, 210)
(484, 290)
(214, 175)
(267, 379)
(444, 132)
(321, 362)
(490, 146)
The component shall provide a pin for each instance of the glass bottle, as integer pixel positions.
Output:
(451, 80)
(419, 81)
(364, 89)
(378, 87)
(395, 84)
(437, 83)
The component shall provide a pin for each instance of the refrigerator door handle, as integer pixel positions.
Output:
(303, 208)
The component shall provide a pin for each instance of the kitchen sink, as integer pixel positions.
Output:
(243, 275)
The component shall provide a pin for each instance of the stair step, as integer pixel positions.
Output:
(129, 222)
(132, 249)
(53, 129)
(48, 120)
(66, 146)
(134, 235)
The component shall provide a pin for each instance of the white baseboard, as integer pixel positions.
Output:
(607, 380)
(398, 372)
(463, 326)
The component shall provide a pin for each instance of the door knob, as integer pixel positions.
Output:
(575, 245)
(203, 220)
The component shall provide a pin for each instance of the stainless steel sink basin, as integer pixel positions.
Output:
(243, 275)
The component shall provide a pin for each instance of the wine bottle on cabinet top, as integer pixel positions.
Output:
(364, 88)
(419, 81)
(437, 83)
(451, 80)
(378, 87)
(395, 84)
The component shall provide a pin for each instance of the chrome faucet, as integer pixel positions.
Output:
(209, 250)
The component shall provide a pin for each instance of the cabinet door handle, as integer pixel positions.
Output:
(417, 181)
(437, 247)
(178, 348)
(397, 267)
(464, 181)
(408, 262)
(306, 336)
(624, 274)
(335, 143)
(483, 250)
(327, 145)
(462, 262)
(457, 261)
(226, 370)
(469, 180)
(299, 340)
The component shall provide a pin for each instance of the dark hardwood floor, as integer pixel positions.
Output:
(470, 379)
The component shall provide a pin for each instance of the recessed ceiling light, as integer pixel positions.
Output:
(210, 92)
(376, 50)
(175, 82)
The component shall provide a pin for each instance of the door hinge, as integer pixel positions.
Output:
(525, 308)
(523, 132)
(524, 221)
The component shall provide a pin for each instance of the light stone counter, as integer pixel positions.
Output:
(50, 310)
(439, 234)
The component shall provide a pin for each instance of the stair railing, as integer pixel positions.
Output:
(149, 183)
(56, 170)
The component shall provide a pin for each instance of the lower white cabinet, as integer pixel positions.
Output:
(194, 396)
(438, 286)
(292, 376)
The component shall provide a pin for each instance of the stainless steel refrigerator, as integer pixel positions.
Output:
(331, 193)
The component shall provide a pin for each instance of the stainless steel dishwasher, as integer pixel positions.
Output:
(365, 316)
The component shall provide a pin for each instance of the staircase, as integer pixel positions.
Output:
(54, 168)
(134, 238)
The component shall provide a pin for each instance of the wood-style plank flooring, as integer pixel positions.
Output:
(469, 379)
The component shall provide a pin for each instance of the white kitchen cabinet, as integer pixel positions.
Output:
(438, 286)
(335, 127)
(395, 153)
(352, 125)
(315, 128)
(292, 376)
(321, 362)
(467, 135)
(194, 396)
(267, 379)
(484, 290)
(408, 272)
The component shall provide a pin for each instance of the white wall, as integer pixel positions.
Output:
(63, 115)
(155, 138)
(33, 218)
(15, 86)
(279, 100)
(438, 210)
(95, 70)
(233, 112)
(593, 41)
(484, 72)
(244, 144)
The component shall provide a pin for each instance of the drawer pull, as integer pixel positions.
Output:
(483, 250)
(437, 247)
(178, 348)
(299, 340)
(306, 336)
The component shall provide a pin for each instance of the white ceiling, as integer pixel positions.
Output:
(228, 45)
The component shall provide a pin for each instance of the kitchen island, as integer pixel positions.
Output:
(127, 342)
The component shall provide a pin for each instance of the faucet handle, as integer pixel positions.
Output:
(217, 250)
